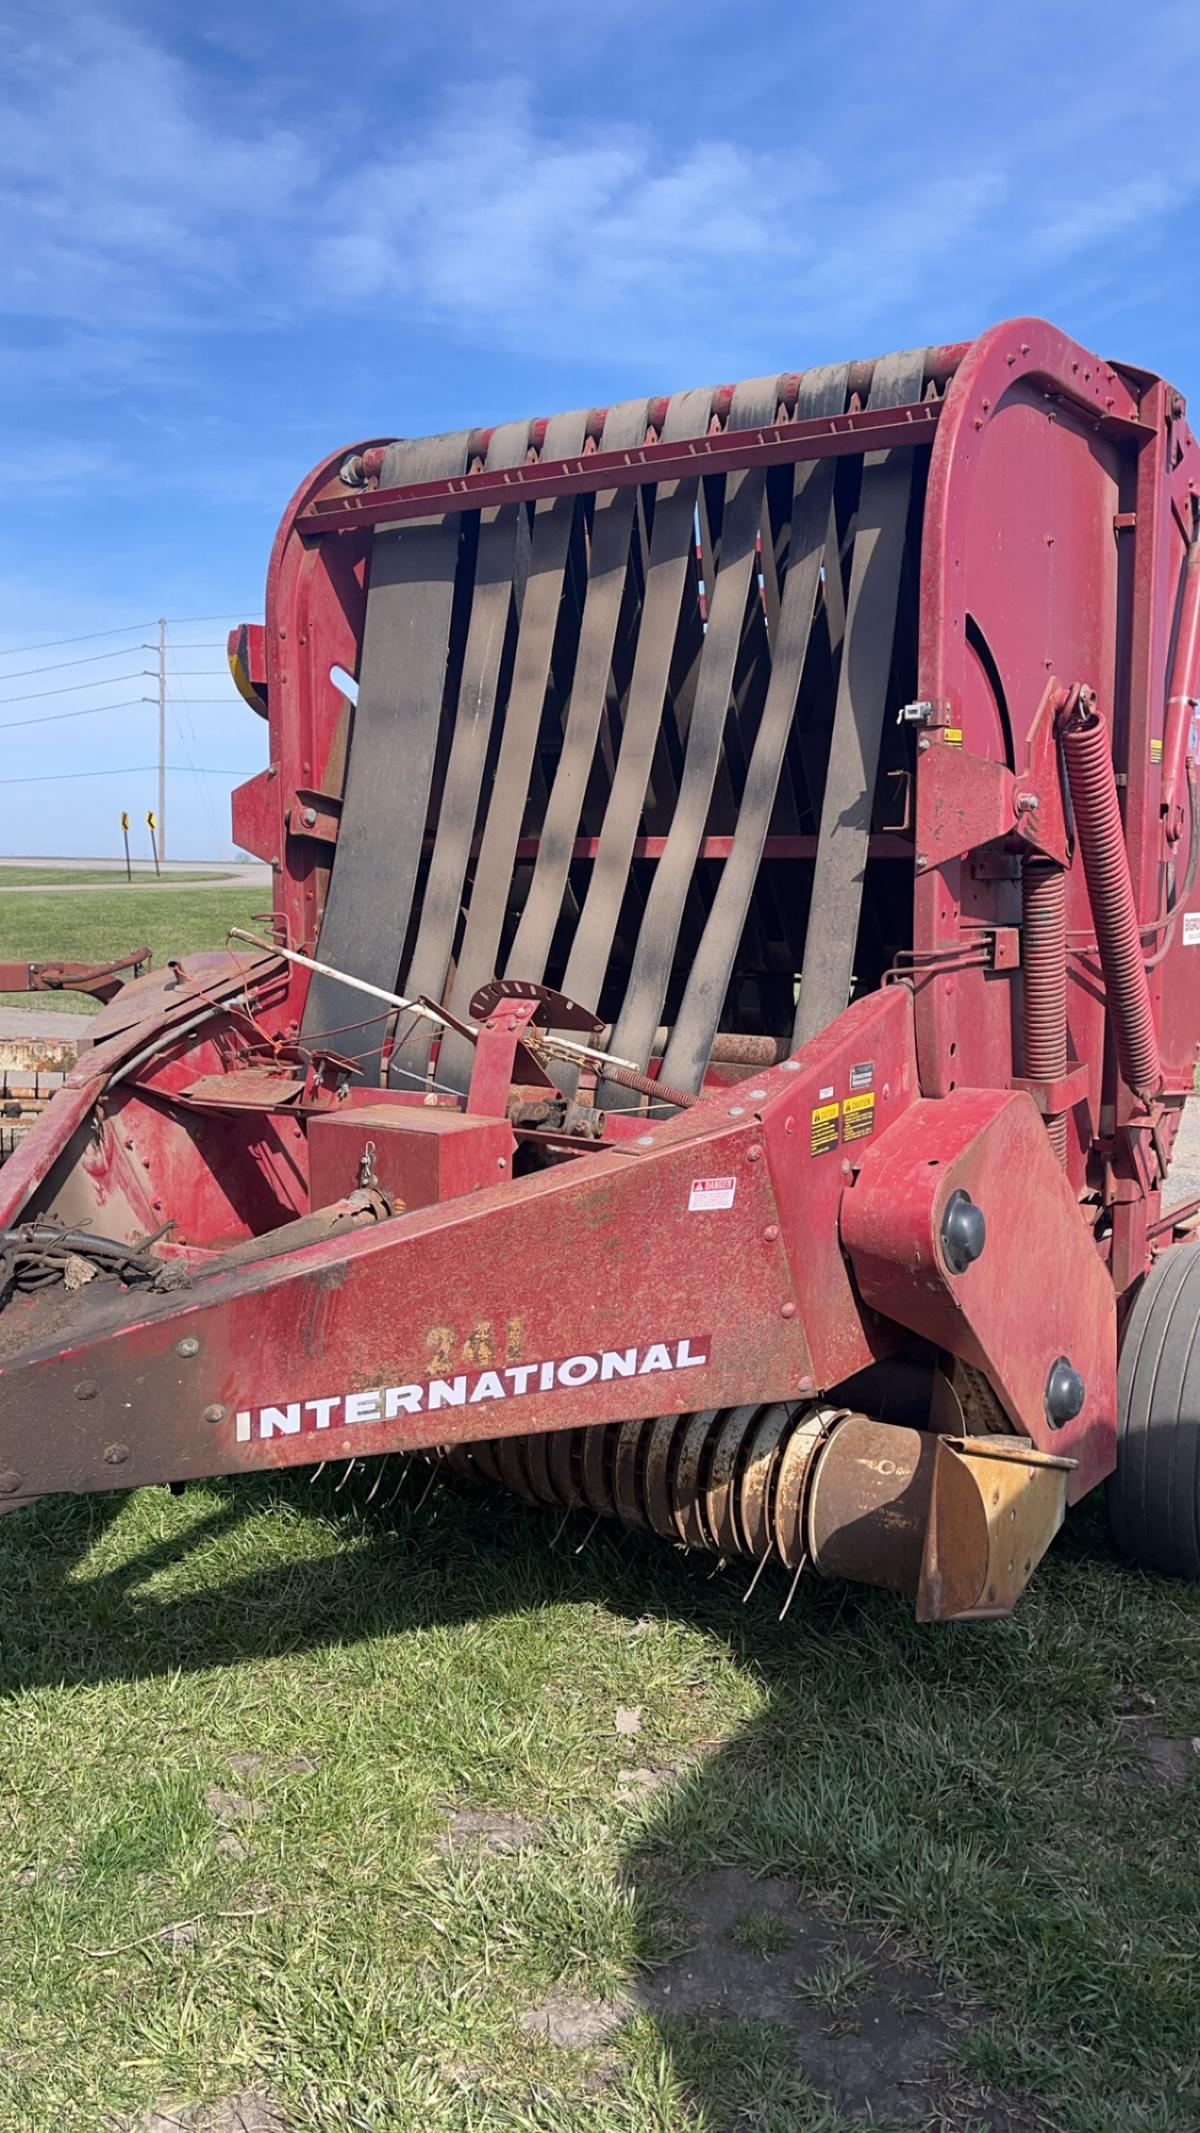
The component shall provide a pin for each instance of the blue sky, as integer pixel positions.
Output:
(239, 237)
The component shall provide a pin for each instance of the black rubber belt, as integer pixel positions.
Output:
(612, 526)
(822, 392)
(492, 883)
(754, 403)
(393, 744)
(672, 542)
(843, 840)
(487, 630)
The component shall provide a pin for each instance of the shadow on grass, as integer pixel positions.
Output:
(989, 1948)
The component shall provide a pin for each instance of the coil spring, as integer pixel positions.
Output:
(1044, 962)
(730, 1480)
(1110, 892)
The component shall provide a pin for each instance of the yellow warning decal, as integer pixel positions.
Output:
(825, 1128)
(858, 1116)
(952, 736)
(1156, 751)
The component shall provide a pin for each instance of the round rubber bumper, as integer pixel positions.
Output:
(1154, 1495)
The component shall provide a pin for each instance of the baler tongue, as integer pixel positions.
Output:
(574, 738)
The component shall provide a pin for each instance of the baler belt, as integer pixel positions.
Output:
(823, 392)
(612, 529)
(672, 541)
(487, 631)
(493, 875)
(842, 843)
(754, 403)
(393, 745)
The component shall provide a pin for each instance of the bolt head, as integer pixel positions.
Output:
(9, 1483)
(309, 817)
(116, 1454)
(188, 1347)
(787, 1310)
(86, 1389)
(215, 1413)
(964, 1232)
(1065, 1392)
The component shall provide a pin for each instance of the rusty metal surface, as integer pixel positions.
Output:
(628, 1453)
(689, 1508)
(957, 1524)
(869, 1503)
(658, 1473)
(996, 1506)
(766, 1433)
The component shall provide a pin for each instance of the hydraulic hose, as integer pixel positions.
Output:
(1101, 834)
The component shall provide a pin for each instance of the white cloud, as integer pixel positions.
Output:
(142, 205)
(121, 197)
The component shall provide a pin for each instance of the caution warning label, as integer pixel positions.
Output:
(824, 1128)
(858, 1116)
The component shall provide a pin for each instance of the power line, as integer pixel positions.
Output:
(51, 644)
(51, 718)
(56, 665)
(71, 688)
(136, 770)
(127, 629)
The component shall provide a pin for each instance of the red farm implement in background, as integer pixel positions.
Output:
(730, 996)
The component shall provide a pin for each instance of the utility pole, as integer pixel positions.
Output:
(162, 738)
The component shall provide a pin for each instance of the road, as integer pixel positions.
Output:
(201, 874)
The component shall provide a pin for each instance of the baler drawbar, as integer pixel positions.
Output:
(730, 992)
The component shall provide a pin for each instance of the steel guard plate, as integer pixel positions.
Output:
(1038, 1291)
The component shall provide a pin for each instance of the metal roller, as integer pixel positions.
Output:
(815, 1487)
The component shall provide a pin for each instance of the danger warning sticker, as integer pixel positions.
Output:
(709, 1193)
(824, 1128)
(858, 1116)
(1191, 929)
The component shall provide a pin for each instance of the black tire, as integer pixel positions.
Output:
(1154, 1495)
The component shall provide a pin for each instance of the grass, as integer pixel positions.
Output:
(759, 1933)
(235, 1725)
(107, 923)
(16, 876)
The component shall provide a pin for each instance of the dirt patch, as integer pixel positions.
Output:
(232, 1811)
(1171, 1762)
(637, 1784)
(574, 2023)
(231, 1807)
(250, 2111)
(252, 1764)
(870, 2029)
(479, 1832)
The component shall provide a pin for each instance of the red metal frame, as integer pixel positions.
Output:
(741, 1251)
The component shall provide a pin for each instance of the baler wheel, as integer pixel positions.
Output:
(1154, 1495)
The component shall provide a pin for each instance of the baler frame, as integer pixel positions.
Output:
(734, 1240)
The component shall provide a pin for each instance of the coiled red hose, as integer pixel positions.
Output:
(1101, 837)
(1044, 964)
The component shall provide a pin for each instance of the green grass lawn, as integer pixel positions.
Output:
(20, 877)
(107, 923)
(346, 1806)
